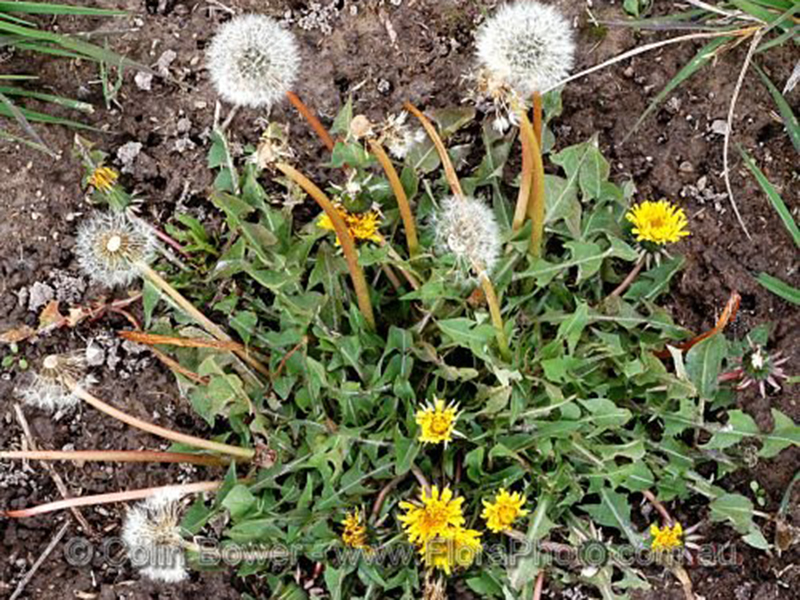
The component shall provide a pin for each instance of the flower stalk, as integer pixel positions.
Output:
(346, 240)
(447, 164)
(137, 456)
(202, 320)
(189, 488)
(246, 454)
(312, 119)
(535, 206)
(400, 194)
(496, 315)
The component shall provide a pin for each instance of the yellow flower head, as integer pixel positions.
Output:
(437, 422)
(437, 514)
(354, 534)
(666, 538)
(103, 178)
(362, 226)
(506, 508)
(455, 547)
(658, 222)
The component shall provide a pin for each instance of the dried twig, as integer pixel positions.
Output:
(726, 143)
(39, 561)
(62, 488)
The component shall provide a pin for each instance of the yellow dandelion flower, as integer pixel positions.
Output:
(354, 534)
(506, 508)
(666, 538)
(362, 226)
(437, 422)
(658, 222)
(437, 513)
(453, 548)
(103, 178)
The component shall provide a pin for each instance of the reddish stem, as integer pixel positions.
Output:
(189, 488)
(312, 119)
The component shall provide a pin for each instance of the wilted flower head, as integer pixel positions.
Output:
(467, 228)
(398, 136)
(48, 389)
(103, 178)
(355, 533)
(153, 539)
(526, 45)
(253, 61)
(109, 246)
(759, 367)
(273, 147)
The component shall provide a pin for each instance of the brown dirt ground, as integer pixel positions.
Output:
(41, 199)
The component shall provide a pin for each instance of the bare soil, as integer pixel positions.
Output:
(381, 53)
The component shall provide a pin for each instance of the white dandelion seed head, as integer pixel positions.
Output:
(467, 229)
(253, 61)
(47, 388)
(153, 537)
(398, 136)
(526, 45)
(109, 245)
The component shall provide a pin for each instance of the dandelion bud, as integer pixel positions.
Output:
(253, 61)
(109, 246)
(153, 539)
(526, 45)
(467, 228)
(47, 389)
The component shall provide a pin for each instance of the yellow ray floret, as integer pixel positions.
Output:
(506, 508)
(354, 534)
(362, 226)
(434, 516)
(103, 178)
(437, 422)
(658, 222)
(666, 538)
(455, 547)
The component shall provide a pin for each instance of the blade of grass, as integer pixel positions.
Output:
(779, 40)
(10, 137)
(37, 117)
(12, 110)
(774, 197)
(46, 8)
(779, 288)
(701, 59)
(60, 100)
(768, 17)
(90, 51)
(46, 49)
(788, 116)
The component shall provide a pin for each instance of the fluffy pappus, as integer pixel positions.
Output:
(467, 228)
(47, 389)
(398, 136)
(526, 45)
(109, 246)
(253, 61)
(153, 537)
